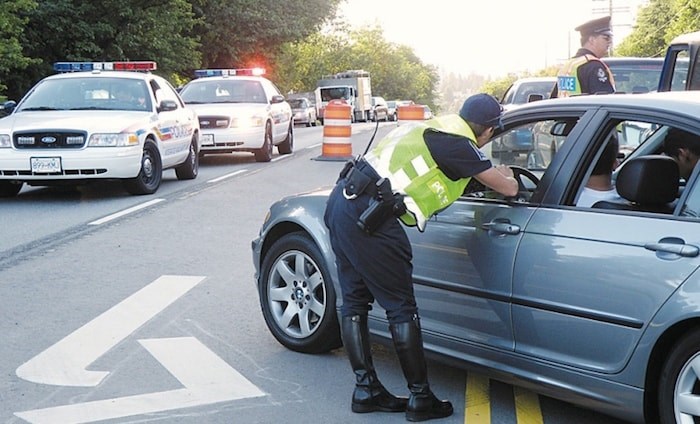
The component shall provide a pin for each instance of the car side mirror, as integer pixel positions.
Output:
(167, 106)
(8, 107)
(277, 98)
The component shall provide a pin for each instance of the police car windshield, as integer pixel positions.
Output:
(88, 94)
(223, 91)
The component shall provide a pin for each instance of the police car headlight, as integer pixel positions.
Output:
(5, 141)
(247, 122)
(113, 140)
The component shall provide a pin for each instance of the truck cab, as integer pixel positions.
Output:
(681, 71)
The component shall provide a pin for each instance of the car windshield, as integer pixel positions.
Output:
(88, 94)
(223, 91)
(636, 78)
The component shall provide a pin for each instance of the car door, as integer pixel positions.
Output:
(281, 112)
(463, 262)
(175, 126)
(588, 281)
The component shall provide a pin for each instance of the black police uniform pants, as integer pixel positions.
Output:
(370, 267)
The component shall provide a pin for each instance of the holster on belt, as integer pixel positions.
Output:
(356, 182)
(381, 207)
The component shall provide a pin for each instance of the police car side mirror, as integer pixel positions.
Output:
(8, 107)
(167, 105)
(277, 99)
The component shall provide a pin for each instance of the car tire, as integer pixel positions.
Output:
(10, 188)
(151, 173)
(287, 145)
(299, 304)
(190, 167)
(678, 380)
(264, 153)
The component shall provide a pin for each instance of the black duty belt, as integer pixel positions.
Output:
(359, 178)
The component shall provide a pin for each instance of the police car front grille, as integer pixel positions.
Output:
(213, 122)
(72, 172)
(49, 140)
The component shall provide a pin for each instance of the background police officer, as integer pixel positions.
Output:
(415, 171)
(585, 73)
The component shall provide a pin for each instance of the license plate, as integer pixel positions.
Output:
(46, 165)
(207, 139)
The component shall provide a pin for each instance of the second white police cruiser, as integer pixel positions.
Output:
(240, 111)
(96, 121)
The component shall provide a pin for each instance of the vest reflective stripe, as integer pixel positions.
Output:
(568, 83)
(404, 158)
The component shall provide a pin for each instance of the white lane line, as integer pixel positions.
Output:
(125, 212)
(282, 157)
(206, 377)
(65, 363)
(223, 177)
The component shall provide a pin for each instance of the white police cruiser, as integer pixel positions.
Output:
(240, 111)
(95, 121)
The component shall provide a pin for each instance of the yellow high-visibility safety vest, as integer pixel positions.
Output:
(568, 83)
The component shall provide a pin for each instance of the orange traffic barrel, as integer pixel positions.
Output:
(337, 131)
(411, 112)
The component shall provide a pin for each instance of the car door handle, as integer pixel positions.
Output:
(501, 227)
(685, 250)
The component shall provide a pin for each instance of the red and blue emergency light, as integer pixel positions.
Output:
(201, 73)
(104, 66)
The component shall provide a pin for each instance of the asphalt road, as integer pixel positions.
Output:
(119, 308)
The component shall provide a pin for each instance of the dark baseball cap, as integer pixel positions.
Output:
(482, 109)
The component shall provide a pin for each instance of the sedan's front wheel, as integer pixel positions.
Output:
(297, 296)
(679, 384)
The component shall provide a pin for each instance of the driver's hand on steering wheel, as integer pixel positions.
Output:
(505, 170)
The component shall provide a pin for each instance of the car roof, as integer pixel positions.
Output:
(685, 102)
(619, 60)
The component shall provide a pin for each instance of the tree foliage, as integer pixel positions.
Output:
(12, 22)
(396, 71)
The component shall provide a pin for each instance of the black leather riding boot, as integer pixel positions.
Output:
(369, 394)
(422, 404)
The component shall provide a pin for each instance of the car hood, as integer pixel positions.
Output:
(230, 109)
(108, 121)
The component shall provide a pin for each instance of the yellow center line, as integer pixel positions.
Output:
(527, 406)
(477, 402)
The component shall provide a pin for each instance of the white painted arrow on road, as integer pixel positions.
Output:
(65, 363)
(206, 377)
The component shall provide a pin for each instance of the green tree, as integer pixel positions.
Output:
(396, 71)
(248, 33)
(651, 35)
(12, 22)
(77, 30)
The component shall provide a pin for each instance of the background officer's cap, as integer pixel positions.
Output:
(600, 26)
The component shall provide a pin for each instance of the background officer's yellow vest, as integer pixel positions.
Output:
(568, 83)
(403, 157)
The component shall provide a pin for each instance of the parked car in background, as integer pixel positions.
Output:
(380, 110)
(597, 306)
(391, 110)
(528, 89)
(635, 74)
(427, 113)
(304, 112)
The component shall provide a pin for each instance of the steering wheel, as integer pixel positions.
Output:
(520, 173)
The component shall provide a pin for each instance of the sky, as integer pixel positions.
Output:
(491, 37)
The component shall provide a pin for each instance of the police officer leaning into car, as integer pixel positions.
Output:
(417, 170)
(585, 73)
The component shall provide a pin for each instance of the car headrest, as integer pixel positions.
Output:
(651, 179)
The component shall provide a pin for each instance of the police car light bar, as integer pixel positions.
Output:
(201, 73)
(104, 66)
